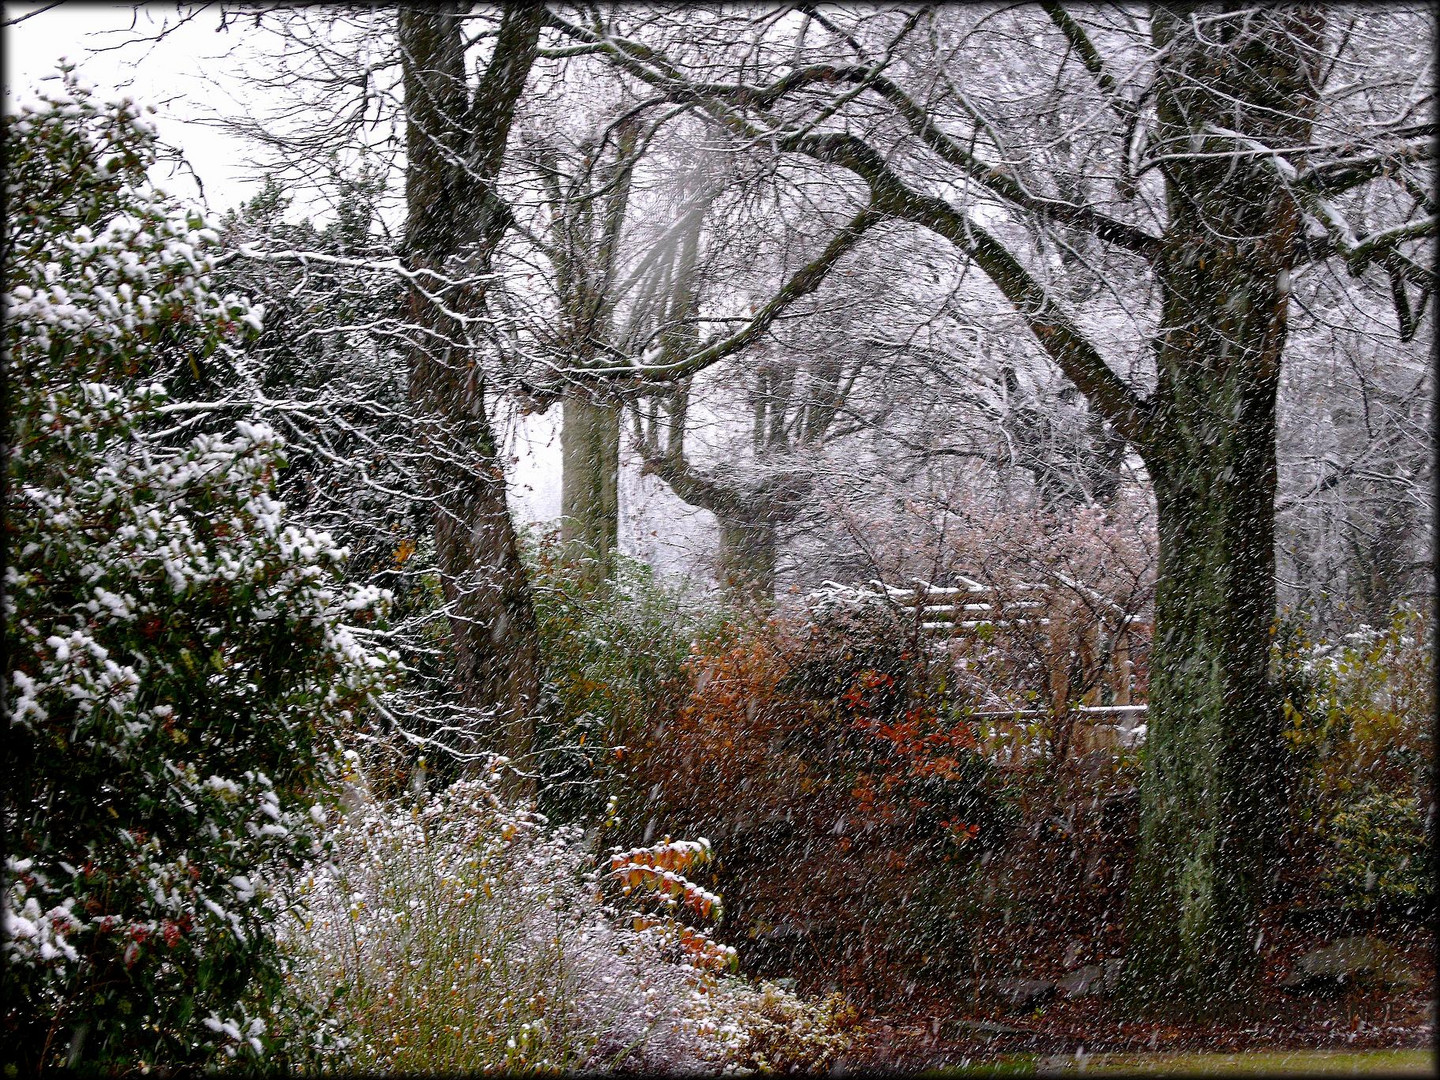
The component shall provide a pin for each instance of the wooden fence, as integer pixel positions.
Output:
(971, 607)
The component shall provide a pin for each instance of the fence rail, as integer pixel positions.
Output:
(949, 611)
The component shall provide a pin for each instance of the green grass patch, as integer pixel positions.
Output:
(1254, 1063)
(1262, 1062)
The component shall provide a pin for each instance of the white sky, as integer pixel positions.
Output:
(188, 73)
(170, 74)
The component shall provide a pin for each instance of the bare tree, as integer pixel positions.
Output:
(1231, 148)
(456, 139)
(1355, 513)
(780, 400)
(397, 87)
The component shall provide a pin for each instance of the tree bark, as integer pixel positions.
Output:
(455, 145)
(493, 631)
(589, 484)
(1208, 812)
(1209, 807)
(746, 561)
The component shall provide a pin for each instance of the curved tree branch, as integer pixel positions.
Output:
(1057, 334)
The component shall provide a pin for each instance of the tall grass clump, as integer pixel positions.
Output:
(456, 934)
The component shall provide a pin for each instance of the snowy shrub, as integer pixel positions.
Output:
(615, 659)
(458, 934)
(1359, 724)
(1359, 709)
(785, 1033)
(179, 658)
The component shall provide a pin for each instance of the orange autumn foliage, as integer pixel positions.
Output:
(834, 790)
(658, 874)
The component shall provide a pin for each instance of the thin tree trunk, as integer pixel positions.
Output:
(584, 257)
(590, 484)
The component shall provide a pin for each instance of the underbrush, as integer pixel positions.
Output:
(847, 809)
(868, 836)
(456, 934)
(1359, 724)
(1050, 895)
(616, 658)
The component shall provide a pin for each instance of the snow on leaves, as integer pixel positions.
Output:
(181, 657)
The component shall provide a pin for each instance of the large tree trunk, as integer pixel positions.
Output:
(1209, 810)
(455, 146)
(590, 484)
(746, 561)
(493, 631)
(1209, 806)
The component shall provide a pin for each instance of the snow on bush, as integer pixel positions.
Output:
(457, 934)
(179, 657)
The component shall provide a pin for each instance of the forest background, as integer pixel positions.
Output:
(1110, 361)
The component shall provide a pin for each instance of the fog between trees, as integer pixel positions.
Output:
(916, 293)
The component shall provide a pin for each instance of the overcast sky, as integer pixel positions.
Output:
(192, 72)
(183, 75)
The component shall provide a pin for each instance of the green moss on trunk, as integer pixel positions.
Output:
(1210, 795)
(589, 485)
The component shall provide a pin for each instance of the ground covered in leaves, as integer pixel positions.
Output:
(941, 1031)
